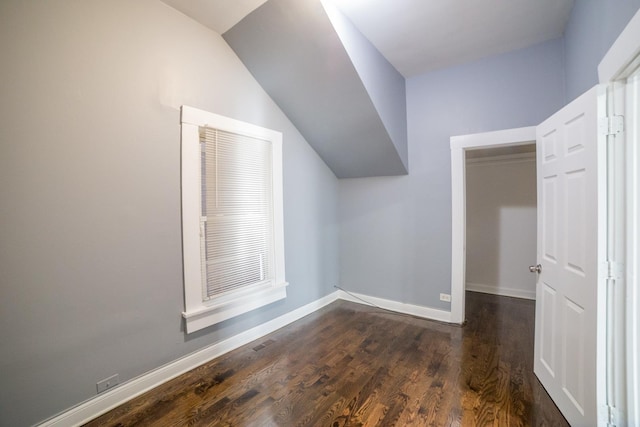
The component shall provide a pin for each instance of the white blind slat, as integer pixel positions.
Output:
(237, 204)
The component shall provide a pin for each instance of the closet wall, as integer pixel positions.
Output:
(501, 222)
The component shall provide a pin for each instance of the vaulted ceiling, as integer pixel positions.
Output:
(343, 96)
(337, 67)
(420, 35)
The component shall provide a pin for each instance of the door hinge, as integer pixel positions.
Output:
(615, 270)
(614, 416)
(611, 125)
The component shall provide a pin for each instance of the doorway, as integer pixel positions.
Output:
(460, 145)
(501, 215)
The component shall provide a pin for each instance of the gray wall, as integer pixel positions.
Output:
(592, 28)
(90, 249)
(90, 240)
(395, 238)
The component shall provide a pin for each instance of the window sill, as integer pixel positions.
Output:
(209, 315)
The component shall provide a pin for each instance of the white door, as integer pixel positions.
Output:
(567, 286)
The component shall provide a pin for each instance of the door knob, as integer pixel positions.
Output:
(535, 268)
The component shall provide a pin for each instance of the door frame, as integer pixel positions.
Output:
(623, 389)
(459, 145)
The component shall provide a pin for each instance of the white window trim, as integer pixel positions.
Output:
(198, 313)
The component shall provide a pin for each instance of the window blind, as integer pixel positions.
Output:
(236, 221)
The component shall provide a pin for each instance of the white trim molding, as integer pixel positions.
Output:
(498, 138)
(506, 159)
(459, 145)
(505, 292)
(399, 307)
(124, 392)
(619, 69)
(104, 402)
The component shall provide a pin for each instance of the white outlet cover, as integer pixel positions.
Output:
(107, 383)
(445, 297)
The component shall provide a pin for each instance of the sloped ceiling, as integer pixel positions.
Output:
(316, 59)
(420, 35)
(294, 51)
(417, 36)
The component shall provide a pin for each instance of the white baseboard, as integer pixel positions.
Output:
(505, 292)
(103, 403)
(400, 307)
(106, 401)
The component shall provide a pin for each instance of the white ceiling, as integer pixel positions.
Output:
(421, 35)
(219, 15)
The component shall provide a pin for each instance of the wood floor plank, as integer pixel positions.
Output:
(351, 365)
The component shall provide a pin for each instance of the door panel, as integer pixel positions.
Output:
(577, 218)
(566, 309)
(573, 361)
(547, 351)
(549, 227)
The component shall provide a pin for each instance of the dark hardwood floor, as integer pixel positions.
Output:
(353, 365)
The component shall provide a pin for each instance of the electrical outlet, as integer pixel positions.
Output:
(107, 383)
(445, 297)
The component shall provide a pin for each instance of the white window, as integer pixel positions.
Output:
(232, 224)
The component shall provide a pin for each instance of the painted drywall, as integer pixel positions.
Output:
(293, 50)
(395, 232)
(501, 225)
(90, 236)
(591, 30)
(384, 84)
